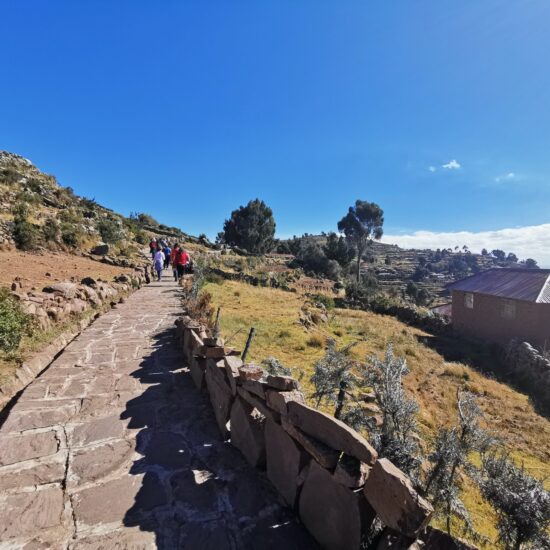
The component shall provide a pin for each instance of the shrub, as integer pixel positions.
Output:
(327, 301)
(110, 231)
(25, 234)
(521, 503)
(71, 234)
(274, 367)
(13, 322)
(51, 230)
(315, 341)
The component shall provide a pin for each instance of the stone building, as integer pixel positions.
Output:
(502, 304)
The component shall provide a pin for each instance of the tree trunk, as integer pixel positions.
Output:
(360, 250)
(340, 403)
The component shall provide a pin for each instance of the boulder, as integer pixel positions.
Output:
(331, 432)
(197, 368)
(390, 492)
(351, 472)
(259, 404)
(283, 383)
(278, 400)
(100, 250)
(332, 513)
(65, 289)
(257, 387)
(247, 432)
(232, 365)
(251, 372)
(325, 456)
(285, 460)
(220, 397)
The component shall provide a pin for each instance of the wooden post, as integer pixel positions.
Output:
(248, 342)
(216, 330)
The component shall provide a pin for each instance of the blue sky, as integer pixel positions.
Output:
(437, 110)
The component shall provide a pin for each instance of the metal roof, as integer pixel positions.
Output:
(531, 285)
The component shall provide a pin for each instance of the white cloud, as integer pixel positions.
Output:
(526, 242)
(452, 165)
(506, 177)
(432, 168)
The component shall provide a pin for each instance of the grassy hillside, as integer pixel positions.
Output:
(432, 381)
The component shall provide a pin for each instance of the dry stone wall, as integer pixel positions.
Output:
(327, 472)
(58, 303)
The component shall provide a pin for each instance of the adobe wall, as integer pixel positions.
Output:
(327, 472)
(532, 322)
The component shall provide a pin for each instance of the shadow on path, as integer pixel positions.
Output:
(197, 491)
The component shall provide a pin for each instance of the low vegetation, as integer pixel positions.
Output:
(431, 382)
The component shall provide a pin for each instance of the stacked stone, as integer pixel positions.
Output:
(323, 469)
(58, 301)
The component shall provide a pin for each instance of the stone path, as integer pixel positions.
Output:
(112, 447)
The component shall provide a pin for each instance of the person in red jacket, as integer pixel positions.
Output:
(181, 259)
(175, 250)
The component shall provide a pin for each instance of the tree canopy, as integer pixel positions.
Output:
(251, 227)
(360, 225)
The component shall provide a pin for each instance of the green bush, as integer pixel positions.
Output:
(25, 234)
(71, 234)
(50, 230)
(110, 231)
(13, 322)
(327, 301)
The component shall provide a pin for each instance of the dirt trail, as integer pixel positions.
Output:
(113, 447)
(33, 268)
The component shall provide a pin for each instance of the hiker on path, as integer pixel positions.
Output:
(175, 250)
(158, 262)
(182, 260)
(167, 251)
(153, 247)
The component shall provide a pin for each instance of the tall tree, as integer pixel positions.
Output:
(360, 225)
(251, 227)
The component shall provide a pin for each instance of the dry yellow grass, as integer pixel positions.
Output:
(433, 382)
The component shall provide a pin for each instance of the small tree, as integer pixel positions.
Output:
(13, 322)
(251, 227)
(521, 503)
(530, 263)
(397, 437)
(450, 458)
(360, 225)
(336, 248)
(333, 377)
(512, 257)
(499, 254)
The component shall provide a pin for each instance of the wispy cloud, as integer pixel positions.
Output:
(526, 242)
(452, 165)
(506, 177)
(432, 169)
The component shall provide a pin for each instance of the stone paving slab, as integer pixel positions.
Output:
(113, 447)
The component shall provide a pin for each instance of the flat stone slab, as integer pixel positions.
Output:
(28, 513)
(18, 448)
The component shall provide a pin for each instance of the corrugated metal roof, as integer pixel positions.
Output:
(532, 285)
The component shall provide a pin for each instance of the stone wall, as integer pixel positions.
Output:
(530, 369)
(56, 304)
(327, 472)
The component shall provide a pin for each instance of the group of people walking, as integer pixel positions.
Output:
(165, 255)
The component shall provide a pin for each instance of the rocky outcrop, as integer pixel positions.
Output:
(327, 472)
(530, 369)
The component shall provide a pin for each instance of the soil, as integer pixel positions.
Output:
(37, 269)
